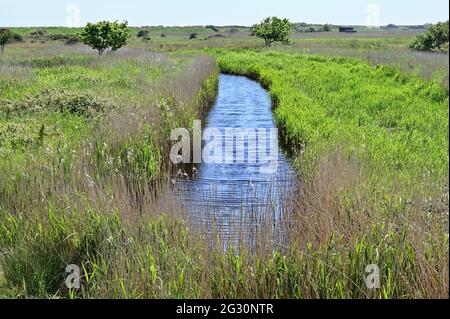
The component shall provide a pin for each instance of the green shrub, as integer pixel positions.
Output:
(17, 38)
(5, 38)
(435, 39)
(17, 136)
(272, 30)
(81, 104)
(327, 28)
(38, 33)
(142, 33)
(105, 36)
(71, 40)
(63, 37)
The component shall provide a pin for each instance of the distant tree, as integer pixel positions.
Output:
(326, 28)
(5, 37)
(272, 30)
(105, 36)
(434, 39)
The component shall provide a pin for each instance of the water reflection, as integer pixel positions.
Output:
(237, 197)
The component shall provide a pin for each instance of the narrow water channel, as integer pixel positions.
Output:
(237, 195)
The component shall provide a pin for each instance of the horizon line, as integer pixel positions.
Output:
(215, 25)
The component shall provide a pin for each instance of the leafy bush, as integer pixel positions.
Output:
(105, 36)
(38, 33)
(5, 37)
(326, 28)
(62, 37)
(72, 40)
(17, 136)
(58, 37)
(16, 38)
(193, 36)
(272, 30)
(81, 104)
(435, 39)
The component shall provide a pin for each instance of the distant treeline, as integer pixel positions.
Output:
(70, 35)
(307, 28)
(302, 27)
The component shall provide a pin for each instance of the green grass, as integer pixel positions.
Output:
(377, 46)
(159, 257)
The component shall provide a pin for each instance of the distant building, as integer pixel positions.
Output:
(347, 29)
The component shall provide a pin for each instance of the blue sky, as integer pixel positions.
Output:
(219, 12)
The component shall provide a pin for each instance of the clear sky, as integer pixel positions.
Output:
(219, 12)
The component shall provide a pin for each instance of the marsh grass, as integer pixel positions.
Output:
(428, 65)
(133, 244)
(78, 170)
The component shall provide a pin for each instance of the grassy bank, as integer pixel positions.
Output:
(55, 98)
(75, 128)
(398, 123)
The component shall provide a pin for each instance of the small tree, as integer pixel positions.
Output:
(105, 36)
(327, 28)
(272, 30)
(434, 39)
(5, 37)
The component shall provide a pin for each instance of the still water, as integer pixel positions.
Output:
(237, 195)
